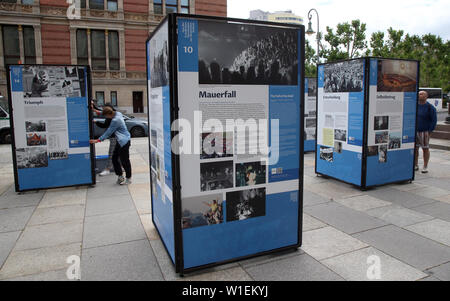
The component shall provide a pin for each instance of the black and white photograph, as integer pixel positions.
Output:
(159, 62)
(338, 147)
(397, 76)
(202, 211)
(381, 123)
(340, 135)
(395, 140)
(344, 77)
(372, 151)
(310, 123)
(154, 181)
(153, 157)
(50, 81)
(216, 175)
(310, 134)
(326, 154)
(154, 137)
(382, 154)
(245, 54)
(250, 174)
(217, 145)
(35, 126)
(58, 155)
(381, 137)
(36, 139)
(243, 205)
(312, 87)
(32, 157)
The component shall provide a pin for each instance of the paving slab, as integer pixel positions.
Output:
(140, 194)
(10, 199)
(408, 186)
(444, 198)
(354, 266)
(309, 180)
(36, 261)
(430, 278)
(411, 248)
(108, 188)
(430, 192)
(270, 258)
(438, 209)
(334, 190)
(53, 215)
(141, 178)
(232, 274)
(312, 199)
(48, 235)
(111, 229)
(362, 202)
(7, 242)
(401, 198)
(149, 227)
(329, 242)
(311, 223)
(64, 197)
(441, 272)
(131, 261)
(164, 261)
(59, 275)
(14, 219)
(437, 230)
(345, 219)
(399, 216)
(298, 268)
(109, 205)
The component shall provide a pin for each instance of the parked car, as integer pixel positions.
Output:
(137, 127)
(5, 132)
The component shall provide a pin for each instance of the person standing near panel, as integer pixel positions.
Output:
(122, 149)
(426, 123)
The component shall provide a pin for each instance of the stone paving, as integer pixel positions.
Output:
(406, 226)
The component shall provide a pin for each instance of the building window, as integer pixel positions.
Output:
(98, 50)
(100, 97)
(97, 4)
(114, 98)
(9, 1)
(29, 47)
(82, 3)
(185, 6)
(11, 47)
(171, 6)
(157, 7)
(112, 5)
(28, 2)
(113, 49)
(82, 47)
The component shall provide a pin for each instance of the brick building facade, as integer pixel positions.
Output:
(109, 35)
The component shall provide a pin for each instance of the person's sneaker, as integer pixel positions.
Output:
(126, 182)
(106, 172)
(424, 170)
(120, 180)
(416, 168)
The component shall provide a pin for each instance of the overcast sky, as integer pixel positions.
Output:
(413, 16)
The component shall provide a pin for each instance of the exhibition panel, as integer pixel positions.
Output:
(367, 120)
(51, 125)
(310, 114)
(233, 178)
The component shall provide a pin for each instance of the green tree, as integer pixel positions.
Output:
(310, 61)
(348, 42)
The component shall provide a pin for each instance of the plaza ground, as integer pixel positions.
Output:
(407, 226)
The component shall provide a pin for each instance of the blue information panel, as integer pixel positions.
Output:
(240, 89)
(340, 120)
(159, 104)
(367, 120)
(51, 126)
(391, 121)
(310, 114)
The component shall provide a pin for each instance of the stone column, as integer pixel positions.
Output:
(122, 53)
(89, 46)
(73, 46)
(107, 49)
(22, 50)
(191, 6)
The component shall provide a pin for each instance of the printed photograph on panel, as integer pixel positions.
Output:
(250, 174)
(35, 126)
(35, 139)
(32, 157)
(382, 153)
(381, 137)
(216, 175)
(338, 147)
(245, 54)
(159, 62)
(326, 154)
(243, 205)
(217, 145)
(395, 140)
(202, 211)
(372, 151)
(397, 76)
(312, 87)
(344, 77)
(381, 123)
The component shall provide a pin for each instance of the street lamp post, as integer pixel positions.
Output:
(310, 31)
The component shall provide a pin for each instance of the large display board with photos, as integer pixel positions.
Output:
(310, 113)
(367, 120)
(225, 96)
(51, 126)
